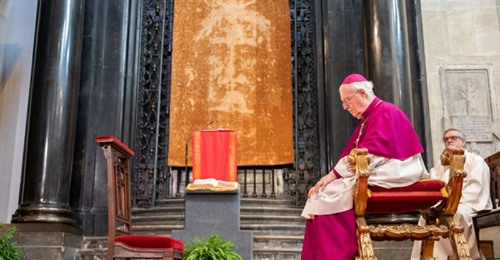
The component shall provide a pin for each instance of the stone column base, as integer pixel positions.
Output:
(48, 241)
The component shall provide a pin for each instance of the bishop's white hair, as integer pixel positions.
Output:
(367, 86)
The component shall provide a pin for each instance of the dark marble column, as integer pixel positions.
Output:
(52, 114)
(389, 65)
(387, 52)
(107, 87)
(341, 53)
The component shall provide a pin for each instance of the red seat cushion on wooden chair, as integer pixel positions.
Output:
(152, 242)
(415, 197)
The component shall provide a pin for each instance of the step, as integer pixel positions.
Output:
(285, 227)
(276, 254)
(268, 242)
(156, 229)
(158, 211)
(271, 219)
(277, 229)
(91, 253)
(157, 219)
(276, 224)
(387, 250)
(270, 210)
(95, 242)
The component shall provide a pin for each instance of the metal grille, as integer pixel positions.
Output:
(153, 180)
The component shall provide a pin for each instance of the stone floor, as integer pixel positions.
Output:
(392, 250)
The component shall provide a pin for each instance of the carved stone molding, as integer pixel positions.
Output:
(469, 104)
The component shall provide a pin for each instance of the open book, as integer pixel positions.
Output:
(212, 184)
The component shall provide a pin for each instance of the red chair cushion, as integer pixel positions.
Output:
(151, 242)
(415, 197)
(422, 185)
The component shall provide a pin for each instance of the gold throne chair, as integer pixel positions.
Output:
(436, 201)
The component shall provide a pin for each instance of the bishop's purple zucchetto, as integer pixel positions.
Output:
(353, 78)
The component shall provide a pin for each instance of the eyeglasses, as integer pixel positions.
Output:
(452, 138)
(347, 100)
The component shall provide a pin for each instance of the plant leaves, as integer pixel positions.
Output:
(211, 248)
(8, 249)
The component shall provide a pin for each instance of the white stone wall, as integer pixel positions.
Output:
(462, 37)
(17, 27)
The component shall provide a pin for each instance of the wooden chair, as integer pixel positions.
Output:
(420, 196)
(121, 243)
(490, 218)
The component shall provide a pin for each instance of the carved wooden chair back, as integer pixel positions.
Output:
(490, 218)
(121, 243)
(493, 162)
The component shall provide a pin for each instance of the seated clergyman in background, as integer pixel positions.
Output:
(475, 196)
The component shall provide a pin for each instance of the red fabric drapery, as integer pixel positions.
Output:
(214, 155)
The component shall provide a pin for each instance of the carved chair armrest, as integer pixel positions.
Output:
(359, 160)
(116, 144)
(455, 159)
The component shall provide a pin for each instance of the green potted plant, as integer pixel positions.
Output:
(211, 248)
(8, 249)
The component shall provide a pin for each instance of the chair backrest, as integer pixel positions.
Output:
(493, 162)
(117, 157)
